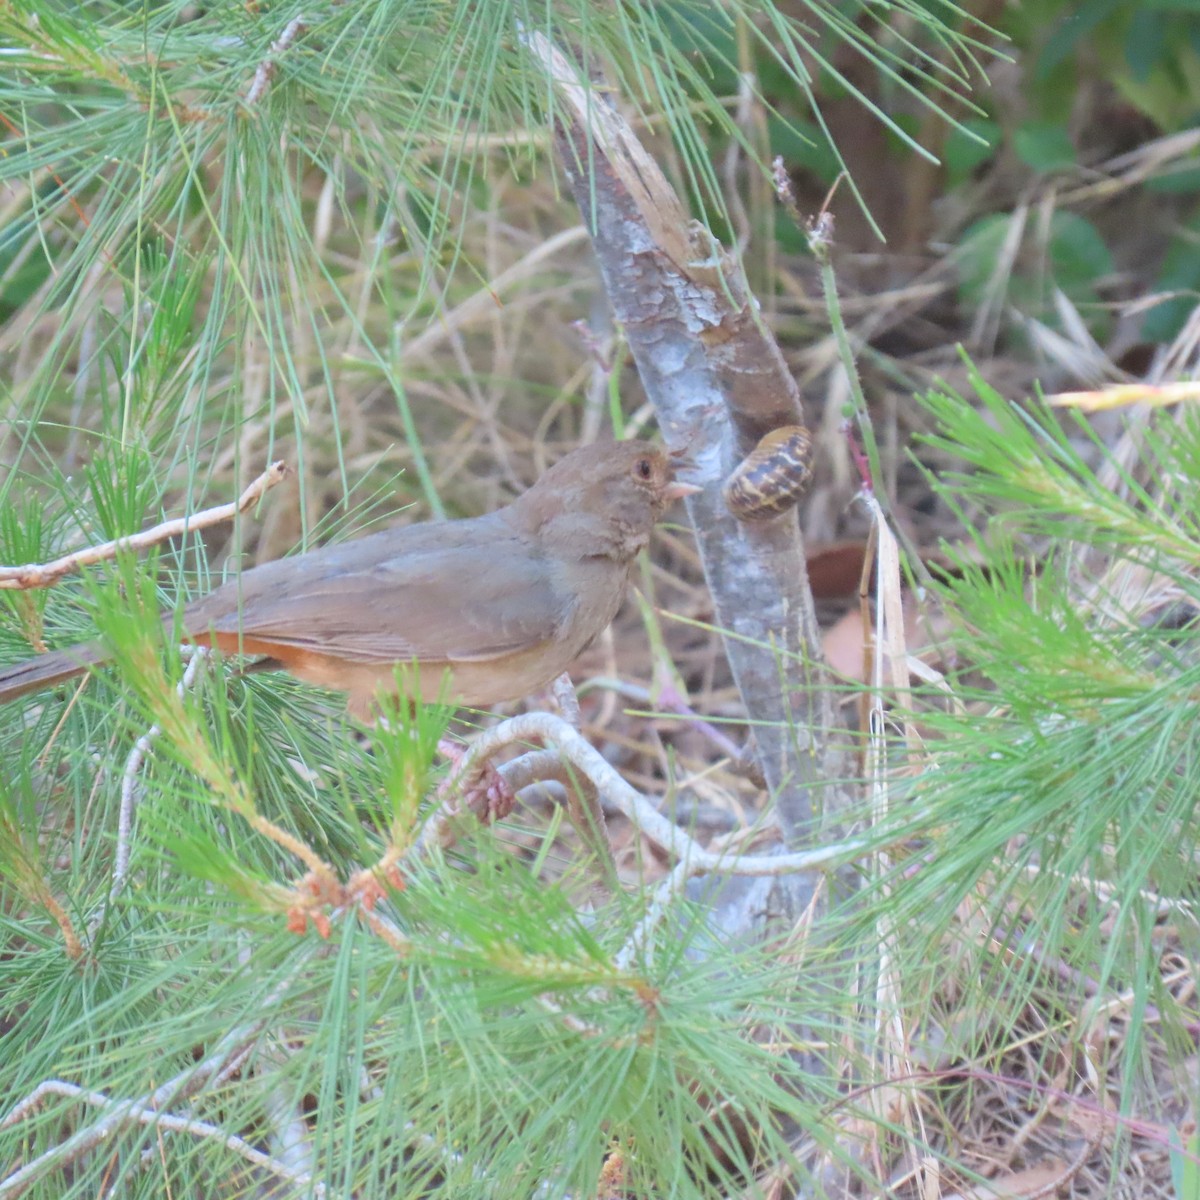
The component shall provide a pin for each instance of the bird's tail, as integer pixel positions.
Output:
(47, 669)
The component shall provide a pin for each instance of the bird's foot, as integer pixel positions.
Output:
(483, 790)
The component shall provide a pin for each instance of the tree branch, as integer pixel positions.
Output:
(571, 745)
(718, 383)
(40, 575)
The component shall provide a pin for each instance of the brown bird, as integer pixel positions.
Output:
(502, 603)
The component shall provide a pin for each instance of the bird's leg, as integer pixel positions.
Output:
(563, 691)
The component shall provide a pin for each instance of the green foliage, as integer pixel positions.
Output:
(1003, 263)
(1092, 74)
(801, 76)
(500, 1053)
(1185, 1165)
(1044, 146)
(968, 147)
(1179, 280)
(1149, 52)
(1059, 814)
(25, 537)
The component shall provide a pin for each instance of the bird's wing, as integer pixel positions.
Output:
(438, 593)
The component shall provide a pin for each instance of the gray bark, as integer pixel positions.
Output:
(718, 382)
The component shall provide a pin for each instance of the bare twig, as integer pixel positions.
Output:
(39, 575)
(583, 802)
(126, 1112)
(129, 786)
(667, 701)
(269, 65)
(667, 890)
(230, 1054)
(585, 759)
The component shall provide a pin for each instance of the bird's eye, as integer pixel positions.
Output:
(644, 468)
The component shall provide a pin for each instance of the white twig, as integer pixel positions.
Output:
(668, 701)
(123, 1112)
(692, 857)
(129, 786)
(229, 1056)
(666, 891)
(267, 68)
(287, 1132)
(39, 575)
(583, 804)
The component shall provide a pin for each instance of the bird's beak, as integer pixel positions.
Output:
(681, 460)
(678, 489)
